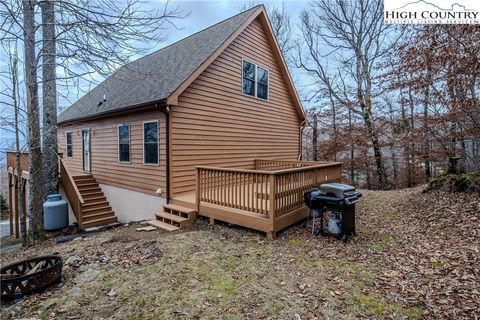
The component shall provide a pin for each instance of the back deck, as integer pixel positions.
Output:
(267, 198)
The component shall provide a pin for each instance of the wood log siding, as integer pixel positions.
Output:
(215, 125)
(105, 166)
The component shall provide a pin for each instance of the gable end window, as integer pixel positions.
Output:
(150, 142)
(124, 143)
(255, 80)
(69, 144)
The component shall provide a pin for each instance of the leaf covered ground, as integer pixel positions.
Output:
(416, 255)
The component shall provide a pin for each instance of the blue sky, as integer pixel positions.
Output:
(205, 13)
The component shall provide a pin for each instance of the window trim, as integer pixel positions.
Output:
(158, 143)
(129, 142)
(255, 82)
(66, 143)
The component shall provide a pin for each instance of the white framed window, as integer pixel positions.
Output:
(150, 142)
(69, 144)
(254, 80)
(124, 143)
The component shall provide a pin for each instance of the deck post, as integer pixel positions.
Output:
(17, 220)
(271, 205)
(24, 206)
(197, 189)
(10, 202)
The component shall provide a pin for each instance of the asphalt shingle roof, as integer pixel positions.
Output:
(155, 76)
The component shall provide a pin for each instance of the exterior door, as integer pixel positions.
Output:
(86, 150)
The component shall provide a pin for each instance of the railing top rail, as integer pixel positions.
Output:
(293, 161)
(15, 151)
(72, 182)
(273, 172)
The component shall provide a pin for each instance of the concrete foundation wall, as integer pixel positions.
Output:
(131, 205)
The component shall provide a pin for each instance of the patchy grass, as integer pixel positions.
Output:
(394, 269)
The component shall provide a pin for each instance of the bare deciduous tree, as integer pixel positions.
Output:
(344, 40)
(34, 140)
(49, 90)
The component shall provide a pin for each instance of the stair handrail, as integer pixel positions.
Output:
(75, 198)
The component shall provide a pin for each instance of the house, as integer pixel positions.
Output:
(194, 128)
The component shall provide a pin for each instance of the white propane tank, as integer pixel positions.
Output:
(334, 225)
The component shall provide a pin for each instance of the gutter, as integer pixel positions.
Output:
(118, 111)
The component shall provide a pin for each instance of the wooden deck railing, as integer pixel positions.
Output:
(234, 188)
(270, 192)
(74, 197)
(11, 160)
(273, 165)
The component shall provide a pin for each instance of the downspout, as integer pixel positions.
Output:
(166, 112)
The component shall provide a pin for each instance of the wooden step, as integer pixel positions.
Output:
(173, 219)
(178, 208)
(86, 184)
(90, 210)
(98, 222)
(94, 198)
(98, 215)
(162, 225)
(83, 178)
(185, 212)
(89, 190)
(94, 194)
(90, 203)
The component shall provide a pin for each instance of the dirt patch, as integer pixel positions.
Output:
(415, 256)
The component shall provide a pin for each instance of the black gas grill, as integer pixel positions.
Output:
(337, 198)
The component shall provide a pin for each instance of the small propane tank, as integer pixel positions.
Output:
(334, 225)
(55, 213)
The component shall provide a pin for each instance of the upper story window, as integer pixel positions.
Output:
(150, 142)
(69, 144)
(124, 143)
(255, 80)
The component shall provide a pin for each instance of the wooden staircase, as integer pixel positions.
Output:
(96, 210)
(173, 217)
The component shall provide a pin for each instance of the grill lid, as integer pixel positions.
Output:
(340, 190)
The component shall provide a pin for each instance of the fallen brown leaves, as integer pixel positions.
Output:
(436, 259)
(416, 255)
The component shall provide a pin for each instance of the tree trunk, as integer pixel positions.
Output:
(334, 123)
(35, 194)
(315, 138)
(352, 147)
(426, 128)
(50, 148)
(412, 165)
(21, 210)
(377, 153)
